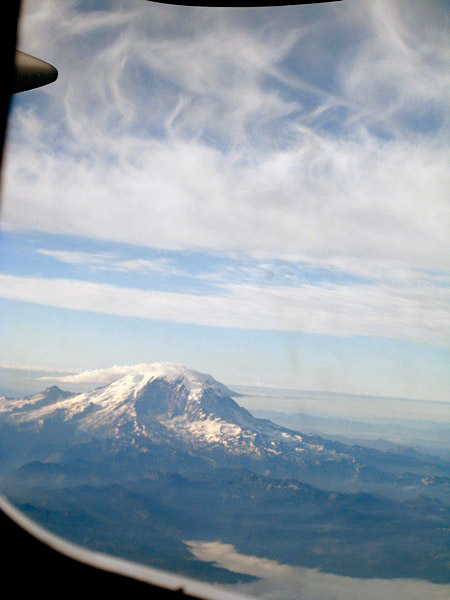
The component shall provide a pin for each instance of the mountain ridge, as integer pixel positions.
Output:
(186, 415)
(169, 398)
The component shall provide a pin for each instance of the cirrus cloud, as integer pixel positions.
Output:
(184, 128)
(416, 313)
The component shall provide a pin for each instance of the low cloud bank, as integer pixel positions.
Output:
(298, 583)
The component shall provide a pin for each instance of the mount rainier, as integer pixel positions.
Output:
(187, 419)
(168, 404)
(165, 455)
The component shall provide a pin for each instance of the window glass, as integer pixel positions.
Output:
(224, 292)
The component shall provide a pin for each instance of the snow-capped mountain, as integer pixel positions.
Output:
(152, 459)
(168, 402)
(180, 419)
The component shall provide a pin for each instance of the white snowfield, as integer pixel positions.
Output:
(167, 399)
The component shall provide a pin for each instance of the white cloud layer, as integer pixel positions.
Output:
(409, 312)
(317, 136)
(191, 128)
(299, 583)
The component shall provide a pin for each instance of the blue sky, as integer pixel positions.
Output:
(261, 194)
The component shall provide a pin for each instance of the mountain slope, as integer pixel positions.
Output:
(169, 399)
(177, 415)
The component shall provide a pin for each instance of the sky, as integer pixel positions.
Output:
(260, 194)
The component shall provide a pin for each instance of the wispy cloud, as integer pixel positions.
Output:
(218, 270)
(100, 376)
(108, 261)
(95, 259)
(278, 580)
(417, 313)
(317, 134)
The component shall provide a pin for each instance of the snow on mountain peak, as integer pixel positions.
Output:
(147, 389)
(191, 379)
(173, 371)
(141, 373)
(158, 401)
(138, 376)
